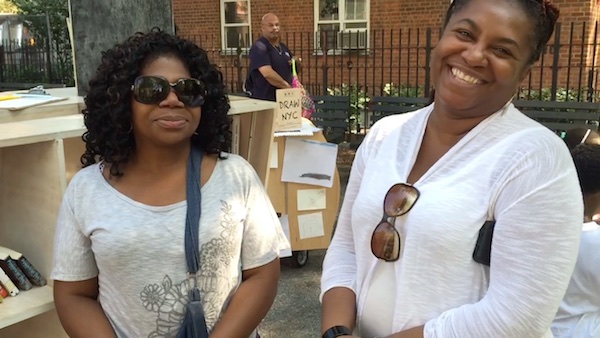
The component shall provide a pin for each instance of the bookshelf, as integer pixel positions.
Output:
(38, 157)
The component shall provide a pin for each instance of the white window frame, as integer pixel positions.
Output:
(224, 26)
(342, 22)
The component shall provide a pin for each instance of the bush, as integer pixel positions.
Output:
(391, 89)
(562, 95)
(359, 101)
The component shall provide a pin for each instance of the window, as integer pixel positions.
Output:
(342, 24)
(235, 24)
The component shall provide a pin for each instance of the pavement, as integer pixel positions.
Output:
(296, 312)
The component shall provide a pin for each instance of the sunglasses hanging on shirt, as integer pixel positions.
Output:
(385, 241)
(154, 89)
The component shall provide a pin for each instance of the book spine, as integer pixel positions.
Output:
(3, 291)
(32, 273)
(15, 274)
(8, 284)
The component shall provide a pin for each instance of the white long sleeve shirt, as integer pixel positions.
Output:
(579, 313)
(509, 168)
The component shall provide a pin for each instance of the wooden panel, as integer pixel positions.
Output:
(275, 188)
(593, 106)
(400, 100)
(260, 140)
(329, 215)
(287, 193)
(558, 115)
(73, 149)
(27, 304)
(29, 201)
(41, 130)
(45, 325)
(72, 105)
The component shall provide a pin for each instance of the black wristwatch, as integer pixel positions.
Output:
(337, 331)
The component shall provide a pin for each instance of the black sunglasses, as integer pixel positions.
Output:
(154, 89)
(385, 241)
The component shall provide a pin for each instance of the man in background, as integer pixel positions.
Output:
(270, 61)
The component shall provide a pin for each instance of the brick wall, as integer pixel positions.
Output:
(397, 40)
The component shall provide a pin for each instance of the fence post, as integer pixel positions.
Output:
(590, 89)
(238, 65)
(49, 49)
(555, 62)
(427, 61)
(324, 50)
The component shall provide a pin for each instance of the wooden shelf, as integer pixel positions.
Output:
(41, 130)
(72, 105)
(25, 305)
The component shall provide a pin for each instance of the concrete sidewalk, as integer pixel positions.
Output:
(296, 312)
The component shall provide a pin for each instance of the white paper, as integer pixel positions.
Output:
(274, 155)
(307, 129)
(311, 199)
(311, 225)
(28, 100)
(309, 162)
(285, 224)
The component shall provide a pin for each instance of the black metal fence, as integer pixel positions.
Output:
(395, 62)
(383, 62)
(34, 61)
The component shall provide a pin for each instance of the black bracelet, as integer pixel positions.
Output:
(337, 331)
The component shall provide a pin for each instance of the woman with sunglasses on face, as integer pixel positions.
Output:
(403, 262)
(119, 259)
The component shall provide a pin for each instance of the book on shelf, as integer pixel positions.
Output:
(34, 276)
(14, 272)
(3, 291)
(8, 284)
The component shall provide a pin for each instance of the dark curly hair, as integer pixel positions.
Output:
(587, 162)
(543, 16)
(107, 114)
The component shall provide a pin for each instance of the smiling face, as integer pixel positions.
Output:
(481, 58)
(168, 122)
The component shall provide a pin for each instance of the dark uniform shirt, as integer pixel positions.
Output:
(263, 53)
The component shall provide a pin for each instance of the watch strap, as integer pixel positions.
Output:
(337, 331)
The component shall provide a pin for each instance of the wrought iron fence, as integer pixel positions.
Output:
(396, 62)
(34, 61)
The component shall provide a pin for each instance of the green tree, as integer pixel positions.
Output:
(46, 20)
(6, 6)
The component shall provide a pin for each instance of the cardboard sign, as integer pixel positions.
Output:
(288, 114)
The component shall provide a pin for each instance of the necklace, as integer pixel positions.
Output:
(278, 49)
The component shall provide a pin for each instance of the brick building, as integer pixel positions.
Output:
(371, 42)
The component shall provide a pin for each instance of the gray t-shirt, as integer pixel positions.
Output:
(137, 251)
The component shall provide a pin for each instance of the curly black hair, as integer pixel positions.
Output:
(587, 162)
(543, 16)
(107, 114)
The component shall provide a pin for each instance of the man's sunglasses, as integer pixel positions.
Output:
(385, 241)
(154, 89)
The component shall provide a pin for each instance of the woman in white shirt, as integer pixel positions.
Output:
(422, 184)
(579, 313)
